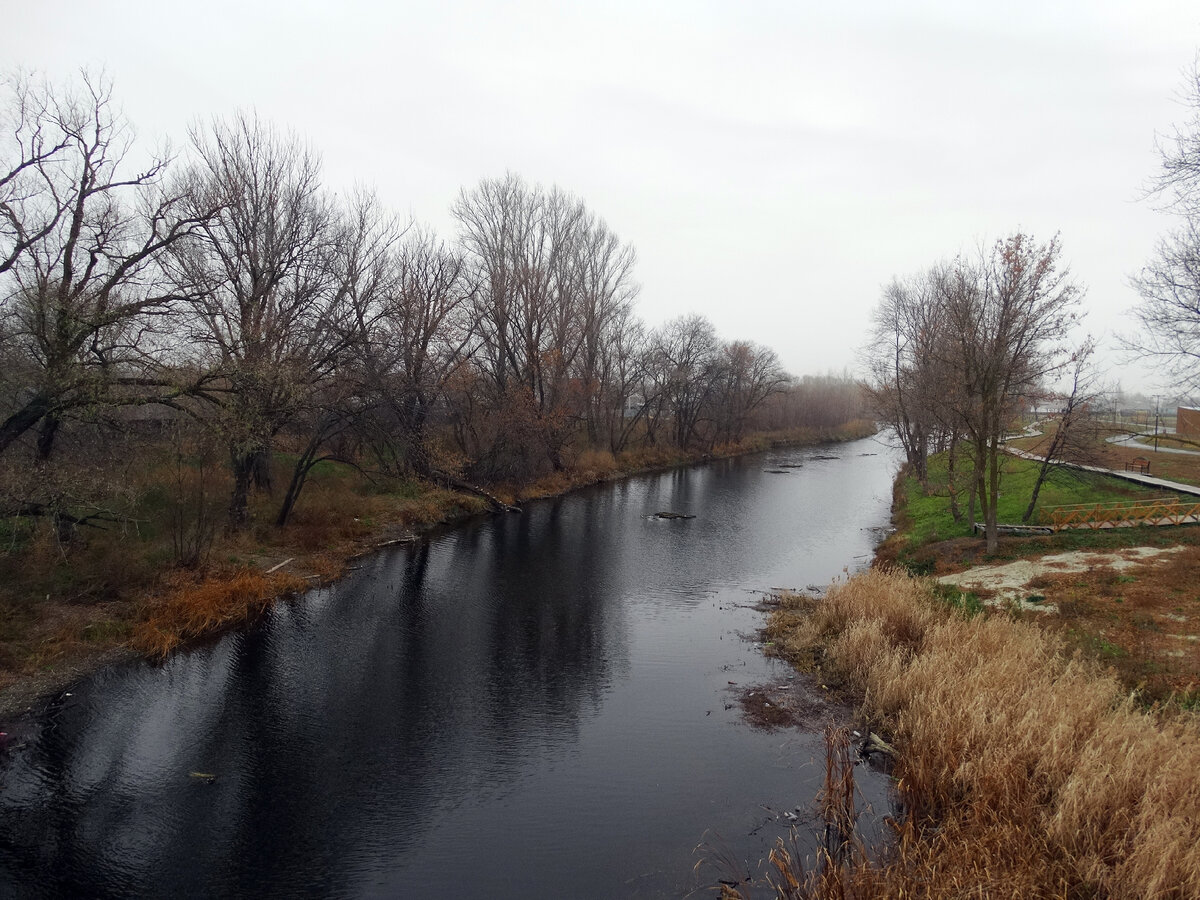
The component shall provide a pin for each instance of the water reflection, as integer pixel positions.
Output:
(527, 706)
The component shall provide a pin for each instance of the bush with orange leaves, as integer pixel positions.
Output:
(1024, 772)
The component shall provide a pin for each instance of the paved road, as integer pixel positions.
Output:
(1132, 440)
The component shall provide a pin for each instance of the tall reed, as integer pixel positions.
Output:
(1025, 771)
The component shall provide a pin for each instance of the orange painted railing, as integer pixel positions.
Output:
(1167, 511)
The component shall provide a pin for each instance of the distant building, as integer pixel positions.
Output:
(1187, 422)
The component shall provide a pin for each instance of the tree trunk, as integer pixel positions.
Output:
(951, 474)
(1037, 487)
(299, 475)
(260, 469)
(22, 420)
(46, 434)
(973, 497)
(993, 489)
(1053, 452)
(242, 463)
(920, 454)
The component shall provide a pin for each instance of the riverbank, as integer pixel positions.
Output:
(555, 680)
(1026, 770)
(1041, 702)
(1125, 597)
(56, 637)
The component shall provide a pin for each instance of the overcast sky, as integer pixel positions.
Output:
(774, 163)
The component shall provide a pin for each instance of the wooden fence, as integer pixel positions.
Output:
(1165, 511)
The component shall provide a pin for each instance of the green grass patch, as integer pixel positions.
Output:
(928, 516)
(1099, 646)
(966, 602)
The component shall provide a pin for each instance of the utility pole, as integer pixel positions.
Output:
(1156, 407)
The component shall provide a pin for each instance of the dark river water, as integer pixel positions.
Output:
(533, 705)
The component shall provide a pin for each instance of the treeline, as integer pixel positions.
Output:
(228, 295)
(961, 349)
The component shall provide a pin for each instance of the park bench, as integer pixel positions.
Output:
(1138, 464)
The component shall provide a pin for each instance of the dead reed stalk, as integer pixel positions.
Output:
(841, 852)
(1025, 772)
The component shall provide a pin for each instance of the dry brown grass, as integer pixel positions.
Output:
(195, 606)
(641, 458)
(1025, 772)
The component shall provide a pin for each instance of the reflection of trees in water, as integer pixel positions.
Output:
(341, 725)
(550, 644)
(353, 726)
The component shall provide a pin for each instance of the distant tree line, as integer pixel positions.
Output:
(227, 292)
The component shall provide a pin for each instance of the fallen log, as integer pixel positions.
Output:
(449, 480)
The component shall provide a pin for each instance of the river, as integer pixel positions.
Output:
(534, 705)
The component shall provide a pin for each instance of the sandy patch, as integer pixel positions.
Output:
(1010, 582)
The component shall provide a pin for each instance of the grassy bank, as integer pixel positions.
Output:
(1142, 621)
(1171, 441)
(123, 590)
(1025, 770)
(925, 513)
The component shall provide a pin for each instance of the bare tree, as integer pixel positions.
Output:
(553, 281)
(420, 334)
(1008, 317)
(1179, 179)
(606, 290)
(815, 402)
(750, 373)
(907, 381)
(687, 362)
(81, 239)
(267, 283)
(1169, 284)
(619, 374)
(339, 402)
(34, 142)
(1072, 437)
(1169, 312)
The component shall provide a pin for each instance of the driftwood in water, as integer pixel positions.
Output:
(672, 515)
(873, 743)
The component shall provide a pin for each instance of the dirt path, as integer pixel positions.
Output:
(1016, 581)
(1137, 609)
